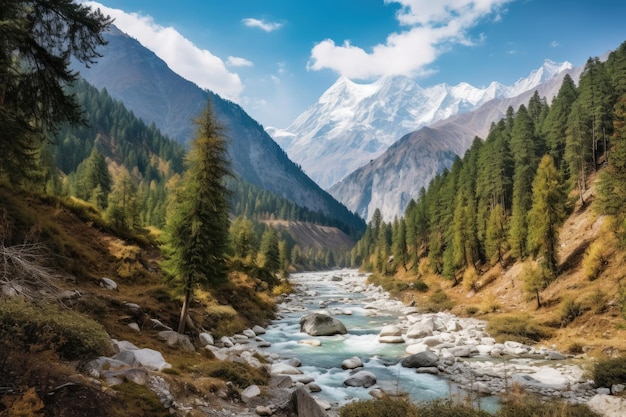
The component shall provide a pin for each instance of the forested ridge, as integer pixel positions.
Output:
(506, 198)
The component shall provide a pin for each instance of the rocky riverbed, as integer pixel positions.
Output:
(318, 363)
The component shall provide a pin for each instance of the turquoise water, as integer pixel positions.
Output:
(324, 362)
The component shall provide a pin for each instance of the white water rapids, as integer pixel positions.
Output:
(342, 294)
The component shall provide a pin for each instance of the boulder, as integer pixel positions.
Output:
(146, 358)
(313, 387)
(391, 330)
(108, 283)
(250, 392)
(258, 330)
(175, 339)
(284, 369)
(420, 360)
(206, 339)
(461, 351)
(310, 342)
(352, 363)
(419, 330)
(390, 339)
(361, 379)
(139, 376)
(414, 348)
(281, 381)
(249, 333)
(304, 404)
(607, 405)
(318, 324)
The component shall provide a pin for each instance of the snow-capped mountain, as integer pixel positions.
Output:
(352, 123)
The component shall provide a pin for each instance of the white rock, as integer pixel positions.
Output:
(250, 392)
(134, 326)
(146, 358)
(258, 330)
(390, 339)
(284, 369)
(310, 342)
(419, 330)
(263, 410)
(416, 348)
(608, 405)
(352, 363)
(206, 339)
(108, 283)
(361, 379)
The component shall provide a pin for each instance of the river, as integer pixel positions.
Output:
(342, 294)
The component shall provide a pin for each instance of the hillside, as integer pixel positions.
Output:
(594, 325)
(153, 92)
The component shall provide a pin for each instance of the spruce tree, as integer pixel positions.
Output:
(197, 224)
(524, 156)
(37, 40)
(546, 215)
(556, 122)
(269, 253)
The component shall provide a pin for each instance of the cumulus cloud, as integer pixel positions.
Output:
(429, 28)
(235, 61)
(181, 55)
(262, 24)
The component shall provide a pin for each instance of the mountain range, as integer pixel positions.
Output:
(352, 124)
(391, 180)
(145, 84)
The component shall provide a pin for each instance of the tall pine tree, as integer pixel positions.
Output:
(197, 228)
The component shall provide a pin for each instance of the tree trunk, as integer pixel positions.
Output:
(538, 300)
(183, 311)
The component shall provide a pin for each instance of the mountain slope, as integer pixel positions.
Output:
(143, 82)
(352, 123)
(391, 180)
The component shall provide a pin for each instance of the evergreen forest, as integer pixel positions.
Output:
(506, 198)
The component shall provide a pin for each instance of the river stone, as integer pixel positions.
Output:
(420, 360)
(281, 381)
(284, 369)
(313, 387)
(305, 405)
(554, 356)
(258, 330)
(310, 342)
(318, 324)
(391, 330)
(390, 339)
(461, 351)
(352, 363)
(414, 348)
(250, 392)
(361, 379)
(249, 333)
(206, 339)
(263, 410)
(433, 370)
(419, 330)
(175, 339)
(608, 405)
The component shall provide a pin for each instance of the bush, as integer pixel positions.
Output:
(49, 327)
(517, 328)
(594, 260)
(570, 309)
(609, 372)
(242, 375)
(379, 408)
(470, 279)
(530, 406)
(420, 286)
(439, 301)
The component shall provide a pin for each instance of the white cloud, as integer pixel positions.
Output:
(555, 44)
(181, 55)
(430, 29)
(235, 61)
(262, 24)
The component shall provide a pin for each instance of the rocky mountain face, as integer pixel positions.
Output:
(390, 181)
(152, 91)
(352, 124)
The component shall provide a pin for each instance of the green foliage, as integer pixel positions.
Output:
(439, 301)
(38, 39)
(520, 328)
(570, 309)
(546, 215)
(45, 327)
(139, 400)
(608, 372)
(595, 259)
(383, 407)
(240, 374)
(197, 229)
(531, 406)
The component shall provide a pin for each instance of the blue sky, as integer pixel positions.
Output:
(276, 57)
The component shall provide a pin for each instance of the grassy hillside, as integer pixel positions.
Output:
(581, 310)
(55, 253)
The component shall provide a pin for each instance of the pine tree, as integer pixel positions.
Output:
(97, 179)
(123, 205)
(197, 226)
(546, 215)
(269, 253)
(497, 231)
(556, 122)
(524, 156)
(37, 40)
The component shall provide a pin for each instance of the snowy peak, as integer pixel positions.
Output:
(353, 123)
